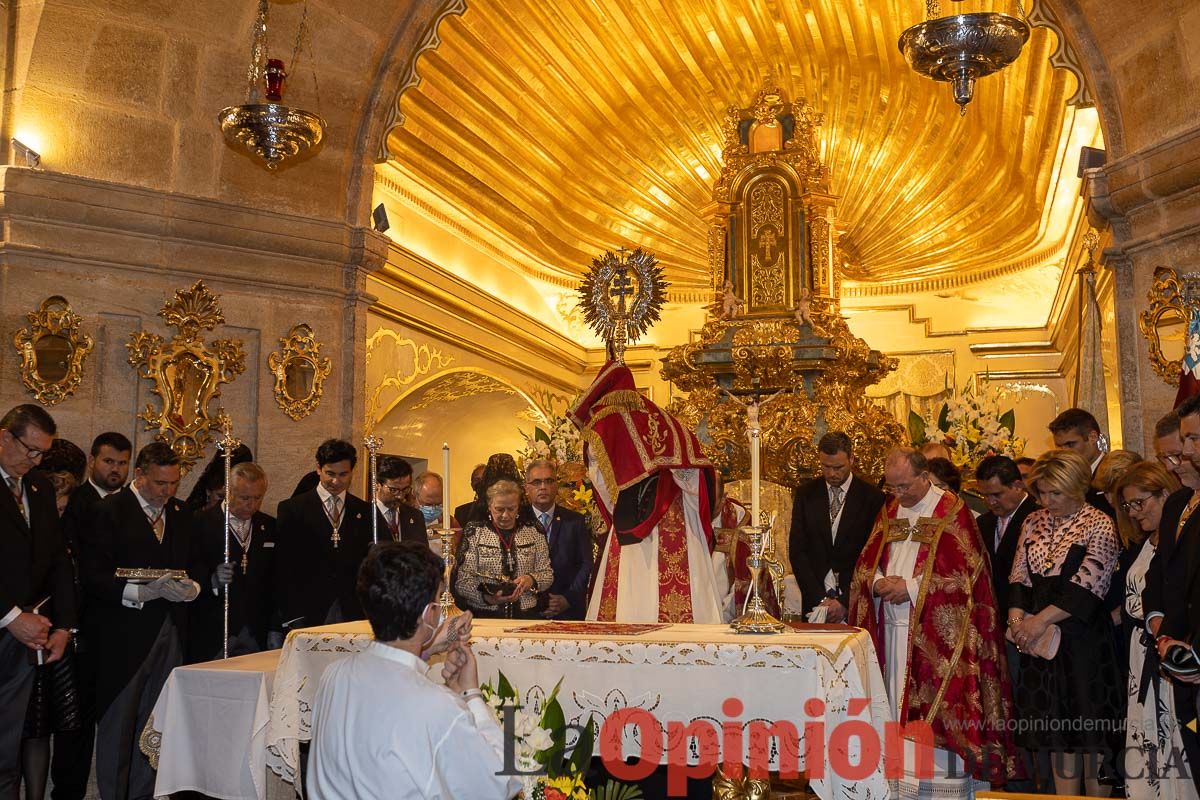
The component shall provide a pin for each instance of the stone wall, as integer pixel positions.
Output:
(118, 252)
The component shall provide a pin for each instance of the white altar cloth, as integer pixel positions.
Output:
(208, 729)
(679, 673)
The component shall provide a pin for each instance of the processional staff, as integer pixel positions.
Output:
(227, 445)
(373, 443)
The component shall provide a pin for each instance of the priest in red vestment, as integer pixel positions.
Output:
(923, 590)
(654, 487)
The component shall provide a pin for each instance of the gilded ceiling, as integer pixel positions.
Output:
(557, 130)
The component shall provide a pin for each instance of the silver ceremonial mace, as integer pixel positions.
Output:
(227, 445)
(373, 443)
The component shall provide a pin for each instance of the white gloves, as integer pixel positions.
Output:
(169, 589)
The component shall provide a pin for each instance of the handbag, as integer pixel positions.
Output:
(1181, 660)
(1046, 645)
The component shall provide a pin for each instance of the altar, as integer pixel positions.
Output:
(815, 677)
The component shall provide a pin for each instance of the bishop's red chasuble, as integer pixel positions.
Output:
(957, 675)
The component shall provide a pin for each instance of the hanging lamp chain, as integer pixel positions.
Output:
(258, 54)
(303, 46)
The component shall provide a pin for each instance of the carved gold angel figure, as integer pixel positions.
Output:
(730, 303)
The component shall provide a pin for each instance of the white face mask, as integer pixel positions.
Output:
(440, 618)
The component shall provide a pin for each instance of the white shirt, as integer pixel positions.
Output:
(382, 728)
(1002, 523)
(830, 581)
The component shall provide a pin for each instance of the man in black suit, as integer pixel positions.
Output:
(463, 513)
(1009, 503)
(33, 567)
(248, 576)
(108, 470)
(570, 543)
(398, 519)
(1076, 429)
(831, 521)
(1169, 600)
(322, 536)
(137, 630)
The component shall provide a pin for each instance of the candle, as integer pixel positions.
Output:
(445, 486)
(754, 477)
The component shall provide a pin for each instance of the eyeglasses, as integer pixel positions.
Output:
(1136, 504)
(32, 453)
(538, 482)
(1171, 458)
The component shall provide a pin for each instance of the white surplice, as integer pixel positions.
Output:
(382, 728)
(637, 574)
(949, 782)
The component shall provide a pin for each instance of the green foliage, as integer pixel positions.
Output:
(1009, 420)
(614, 790)
(916, 429)
(944, 418)
(540, 435)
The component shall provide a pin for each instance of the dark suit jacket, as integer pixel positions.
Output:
(1171, 577)
(570, 558)
(33, 557)
(121, 536)
(812, 547)
(310, 573)
(250, 595)
(412, 526)
(1002, 557)
(78, 514)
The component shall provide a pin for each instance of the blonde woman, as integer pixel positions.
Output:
(1068, 693)
(1153, 743)
(504, 568)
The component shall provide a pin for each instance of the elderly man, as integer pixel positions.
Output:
(923, 591)
(33, 569)
(569, 541)
(430, 501)
(248, 576)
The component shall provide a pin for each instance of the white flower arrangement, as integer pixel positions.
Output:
(971, 425)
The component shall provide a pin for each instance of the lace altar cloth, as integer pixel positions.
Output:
(678, 673)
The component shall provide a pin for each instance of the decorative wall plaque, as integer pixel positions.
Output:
(1170, 324)
(186, 373)
(299, 372)
(52, 351)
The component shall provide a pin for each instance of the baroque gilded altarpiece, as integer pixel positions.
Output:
(773, 250)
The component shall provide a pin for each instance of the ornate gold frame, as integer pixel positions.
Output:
(186, 374)
(53, 318)
(300, 345)
(1173, 300)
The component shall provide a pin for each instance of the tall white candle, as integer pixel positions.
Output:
(445, 486)
(754, 477)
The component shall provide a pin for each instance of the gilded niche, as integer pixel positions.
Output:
(52, 351)
(185, 373)
(299, 372)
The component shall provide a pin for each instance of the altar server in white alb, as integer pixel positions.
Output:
(655, 488)
(382, 726)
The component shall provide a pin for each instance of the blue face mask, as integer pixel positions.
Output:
(431, 513)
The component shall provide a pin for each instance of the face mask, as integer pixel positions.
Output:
(440, 618)
(431, 513)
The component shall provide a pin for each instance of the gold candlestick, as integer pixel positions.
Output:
(446, 600)
(755, 618)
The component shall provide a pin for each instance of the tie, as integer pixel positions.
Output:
(394, 523)
(835, 503)
(14, 486)
(544, 518)
(334, 509)
(1001, 527)
(157, 523)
